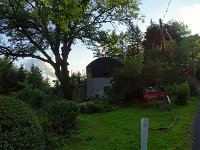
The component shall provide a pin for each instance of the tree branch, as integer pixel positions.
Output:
(23, 31)
(9, 52)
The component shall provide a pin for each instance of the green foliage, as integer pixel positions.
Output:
(132, 42)
(58, 120)
(8, 80)
(159, 72)
(53, 141)
(126, 85)
(61, 116)
(181, 51)
(11, 78)
(121, 46)
(35, 97)
(187, 54)
(51, 27)
(105, 106)
(19, 126)
(173, 30)
(79, 92)
(91, 107)
(35, 77)
(179, 93)
(107, 44)
(161, 105)
(193, 84)
(177, 30)
(21, 77)
(121, 129)
(137, 61)
(151, 38)
(153, 72)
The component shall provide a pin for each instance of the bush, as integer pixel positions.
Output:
(58, 119)
(19, 126)
(193, 83)
(94, 107)
(161, 105)
(179, 93)
(35, 97)
(126, 85)
(89, 107)
(61, 116)
(105, 106)
(54, 141)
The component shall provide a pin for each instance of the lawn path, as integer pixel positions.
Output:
(196, 135)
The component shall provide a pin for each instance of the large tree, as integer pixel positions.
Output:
(107, 45)
(40, 28)
(171, 30)
(133, 41)
(173, 33)
(122, 46)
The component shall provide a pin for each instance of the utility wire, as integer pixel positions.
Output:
(166, 10)
(168, 33)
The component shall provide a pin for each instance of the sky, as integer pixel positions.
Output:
(187, 11)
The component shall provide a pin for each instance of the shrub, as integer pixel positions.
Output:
(54, 141)
(105, 106)
(35, 97)
(161, 105)
(193, 83)
(19, 126)
(89, 107)
(179, 93)
(183, 94)
(126, 85)
(61, 116)
(148, 104)
(94, 107)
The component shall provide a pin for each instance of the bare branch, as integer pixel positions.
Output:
(6, 51)
(23, 31)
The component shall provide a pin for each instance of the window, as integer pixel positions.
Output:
(107, 73)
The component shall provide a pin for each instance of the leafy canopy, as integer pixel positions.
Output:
(47, 29)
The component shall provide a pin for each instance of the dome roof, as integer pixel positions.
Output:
(104, 63)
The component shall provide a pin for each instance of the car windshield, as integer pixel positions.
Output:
(150, 90)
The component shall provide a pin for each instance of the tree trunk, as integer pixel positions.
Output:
(64, 79)
(61, 66)
(67, 88)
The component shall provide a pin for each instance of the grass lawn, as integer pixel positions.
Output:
(120, 129)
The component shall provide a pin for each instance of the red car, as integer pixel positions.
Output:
(153, 93)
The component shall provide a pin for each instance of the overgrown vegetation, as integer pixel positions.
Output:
(161, 105)
(20, 126)
(91, 107)
(126, 86)
(34, 115)
(61, 116)
(174, 61)
(179, 93)
(58, 118)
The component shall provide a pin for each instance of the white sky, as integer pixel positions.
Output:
(191, 16)
(187, 11)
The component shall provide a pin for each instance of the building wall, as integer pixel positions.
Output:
(95, 86)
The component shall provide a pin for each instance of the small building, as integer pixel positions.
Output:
(99, 75)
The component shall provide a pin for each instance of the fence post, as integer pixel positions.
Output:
(144, 133)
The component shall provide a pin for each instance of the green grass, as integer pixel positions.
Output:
(120, 129)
